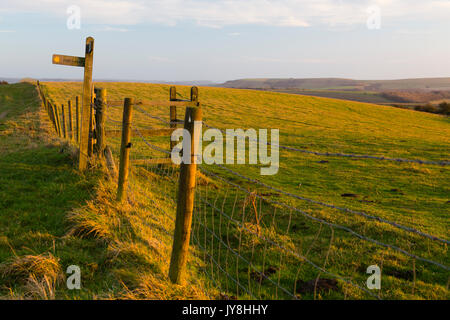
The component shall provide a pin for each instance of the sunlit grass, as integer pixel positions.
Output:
(52, 216)
(411, 194)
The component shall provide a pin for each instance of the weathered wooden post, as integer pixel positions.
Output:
(110, 162)
(100, 121)
(50, 112)
(69, 106)
(87, 63)
(44, 101)
(56, 115)
(194, 94)
(91, 127)
(63, 120)
(53, 117)
(125, 149)
(173, 114)
(77, 123)
(185, 202)
(86, 104)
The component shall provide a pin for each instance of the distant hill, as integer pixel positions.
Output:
(10, 80)
(178, 83)
(341, 84)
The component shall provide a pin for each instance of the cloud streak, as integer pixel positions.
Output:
(221, 13)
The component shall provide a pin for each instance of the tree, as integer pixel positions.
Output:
(444, 108)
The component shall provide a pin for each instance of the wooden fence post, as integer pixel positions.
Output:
(57, 119)
(91, 126)
(70, 129)
(63, 119)
(194, 94)
(185, 202)
(86, 104)
(46, 107)
(100, 121)
(50, 112)
(110, 162)
(77, 121)
(52, 108)
(173, 114)
(125, 149)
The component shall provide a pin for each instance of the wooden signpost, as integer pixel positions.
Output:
(87, 64)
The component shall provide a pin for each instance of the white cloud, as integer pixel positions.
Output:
(220, 13)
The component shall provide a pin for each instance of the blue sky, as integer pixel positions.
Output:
(179, 40)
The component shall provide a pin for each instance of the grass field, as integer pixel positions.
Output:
(338, 83)
(358, 96)
(413, 195)
(52, 217)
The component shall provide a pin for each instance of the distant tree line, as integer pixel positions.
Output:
(442, 108)
(419, 96)
(3, 82)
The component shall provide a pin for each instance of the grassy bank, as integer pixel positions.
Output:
(51, 217)
(410, 194)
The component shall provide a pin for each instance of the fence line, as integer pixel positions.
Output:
(280, 247)
(394, 224)
(246, 238)
(328, 154)
(331, 224)
(379, 219)
(152, 146)
(315, 218)
(337, 154)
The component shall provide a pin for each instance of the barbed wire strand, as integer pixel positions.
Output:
(328, 154)
(288, 250)
(394, 224)
(223, 243)
(312, 217)
(332, 224)
(344, 155)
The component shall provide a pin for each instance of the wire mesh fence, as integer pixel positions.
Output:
(253, 240)
(254, 245)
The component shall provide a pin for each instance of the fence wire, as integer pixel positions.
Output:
(343, 155)
(250, 246)
(336, 154)
(233, 264)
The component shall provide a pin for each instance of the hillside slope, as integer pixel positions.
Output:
(413, 195)
(325, 125)
(337, 83)
(52, 217)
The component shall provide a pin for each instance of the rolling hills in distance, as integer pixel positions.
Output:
(406, 93)
(341, 84)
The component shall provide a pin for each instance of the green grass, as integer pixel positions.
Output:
(359, 96)
(44, 201)
(413, 195)
(337, 83)
(38, 186)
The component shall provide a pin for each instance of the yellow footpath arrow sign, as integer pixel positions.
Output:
(68, 60)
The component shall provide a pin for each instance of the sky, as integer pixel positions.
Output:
(219, 40)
